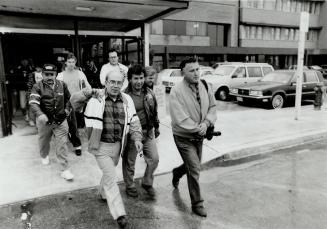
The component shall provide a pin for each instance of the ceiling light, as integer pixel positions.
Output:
(84, 8)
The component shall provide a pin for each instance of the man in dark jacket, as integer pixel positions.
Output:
(146, 109)
(49, 100)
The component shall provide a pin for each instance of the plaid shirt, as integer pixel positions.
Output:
(113, 120)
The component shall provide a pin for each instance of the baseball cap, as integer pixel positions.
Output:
(49, 68)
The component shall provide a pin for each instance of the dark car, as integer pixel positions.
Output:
(278, 87)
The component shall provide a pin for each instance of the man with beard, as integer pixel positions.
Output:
(146, 109)
(49, 100)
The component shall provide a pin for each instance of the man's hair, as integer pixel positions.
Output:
(113, 72)
(150, 70)
(71, 56)
(135, 70)
(113, 50)
(187, 61)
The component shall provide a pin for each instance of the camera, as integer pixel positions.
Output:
(211, 132)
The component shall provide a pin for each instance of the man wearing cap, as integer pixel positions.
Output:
(49, 100)
(113, 65)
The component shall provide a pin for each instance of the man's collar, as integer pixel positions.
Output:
(119, 97)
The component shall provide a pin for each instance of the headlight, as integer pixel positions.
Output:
(234, 90)
(171, 84)
(255, 93)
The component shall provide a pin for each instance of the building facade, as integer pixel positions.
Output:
(244, 30)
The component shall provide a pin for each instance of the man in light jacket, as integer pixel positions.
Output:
(192, 111)
(109, 116)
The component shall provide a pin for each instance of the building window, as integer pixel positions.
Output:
(196, 28)
(172, 27)
(157, 27)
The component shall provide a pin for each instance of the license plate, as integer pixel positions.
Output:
(240, 99)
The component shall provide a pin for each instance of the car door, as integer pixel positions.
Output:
(291, 89)
(238, 77)
(310, 81)
(254, 73)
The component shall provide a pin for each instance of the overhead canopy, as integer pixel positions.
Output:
(120, 15)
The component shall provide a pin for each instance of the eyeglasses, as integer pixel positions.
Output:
(113, 57)
(115, 83)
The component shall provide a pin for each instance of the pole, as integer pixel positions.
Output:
(304, 24)
(146, 44)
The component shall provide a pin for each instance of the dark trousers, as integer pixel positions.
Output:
(73, 128)
(191, 153)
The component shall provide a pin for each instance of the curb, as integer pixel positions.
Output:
(256, 152)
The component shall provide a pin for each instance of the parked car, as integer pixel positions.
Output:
(278, 87)
(216, 65)
(294, 67)
(170, 77)
(324, 70)
(232, 75)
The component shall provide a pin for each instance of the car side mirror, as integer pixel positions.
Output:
(234, 76)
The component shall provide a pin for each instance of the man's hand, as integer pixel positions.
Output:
(156, 132)
(97, 93)
(138, 146)
(67, 111)
(43, 119)
(203, 129)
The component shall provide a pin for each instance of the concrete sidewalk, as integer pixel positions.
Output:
(244, 133)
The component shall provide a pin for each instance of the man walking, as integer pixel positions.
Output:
(76, 81)
(108, 119)
(146, 108)
(113, 65)
(192, 111)
(49, 100)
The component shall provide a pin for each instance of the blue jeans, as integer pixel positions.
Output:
(191, 153)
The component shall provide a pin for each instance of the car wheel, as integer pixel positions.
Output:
(222, 94)
(277, 101)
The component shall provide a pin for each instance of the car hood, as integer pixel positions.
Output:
(259, 85)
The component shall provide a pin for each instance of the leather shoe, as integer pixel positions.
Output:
(199, 210)
(149, 189)
(78, 152)
(132, 192)
(175, 180)
(122, 221)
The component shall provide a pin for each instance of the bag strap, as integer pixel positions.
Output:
(205, 84)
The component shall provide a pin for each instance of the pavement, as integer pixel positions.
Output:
(245, 133)
(285, 189)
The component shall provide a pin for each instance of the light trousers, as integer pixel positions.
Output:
(60, 133)
(107, 157)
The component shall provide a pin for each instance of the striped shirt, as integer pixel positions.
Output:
(113, 120)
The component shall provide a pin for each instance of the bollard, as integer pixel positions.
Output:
(318, 96)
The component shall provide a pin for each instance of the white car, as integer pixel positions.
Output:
(170, 77)
(232, 75)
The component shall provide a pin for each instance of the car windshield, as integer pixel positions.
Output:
(280, 77)
(224, 70)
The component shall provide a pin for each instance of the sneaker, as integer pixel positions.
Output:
(78, 152)
(149, 189)
(122, 221)
(199, 210)
(46, 160)
(132, 192)
(31, 123)
(67, 175)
